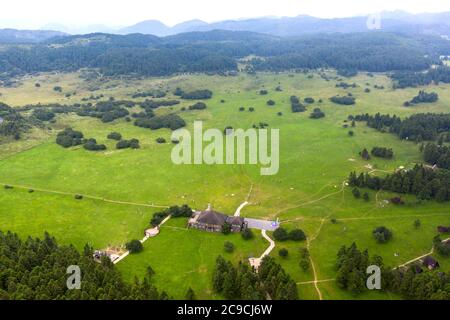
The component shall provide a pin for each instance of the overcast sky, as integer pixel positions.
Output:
(37, 13)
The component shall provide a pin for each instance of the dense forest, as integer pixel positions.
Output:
(421, 181)
(405, 79)
(36, 269)
(218, 51)
(418, 127)
(242, 282)
(412, 282)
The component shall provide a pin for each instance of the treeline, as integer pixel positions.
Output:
(415, 79)
(343, 100)
(436, 155)
(412, 282)
(418, 127)
(382, 152)
(208, 52)
(12, 123)
(35, 269)
(242, 282)
(423, 182)
(423, 97)
(296, 105)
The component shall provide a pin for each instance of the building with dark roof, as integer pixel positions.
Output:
(430, 263)
(213, 221)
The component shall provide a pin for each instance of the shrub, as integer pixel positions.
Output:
(198, 106)
(247, 234)
(251, 109)
(134, 246)
(297, 235)
(160, 140)
(317, 114)
(283, 253)
(68, 138)
(366, 196)
(241, 109)
(280, 234)
(228, 247)
(346, 100)
(263, 92)
(226, 228)
(91, 145)
(195, 95)
(270, 103)
(356, 193)
(124, 144)
(78, 197)
(304, 264)
(309, 100)
(114, 136)
(382, 234)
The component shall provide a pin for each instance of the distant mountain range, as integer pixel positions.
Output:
(396, 21)
(434, 23)
(27, 36)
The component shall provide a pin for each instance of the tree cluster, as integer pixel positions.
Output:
(36, 269)
(425, 183)
(242, 282)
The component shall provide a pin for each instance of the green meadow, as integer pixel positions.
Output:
(309, 190)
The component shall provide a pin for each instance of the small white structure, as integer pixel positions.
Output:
(152, 232)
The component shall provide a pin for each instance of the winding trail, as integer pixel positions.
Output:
(84, 196)
(420, 257)
(256, 262)
(123, 256)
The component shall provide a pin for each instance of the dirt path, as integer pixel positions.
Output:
(123, 256)
(312, 201)
(84, 196)
(255, 262)
(421, 257)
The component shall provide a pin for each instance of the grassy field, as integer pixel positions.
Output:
(316, 157)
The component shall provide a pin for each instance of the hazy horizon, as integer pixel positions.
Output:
(116, 14)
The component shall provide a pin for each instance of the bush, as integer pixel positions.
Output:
(43, 115)
(228, 247)
(317, 114)
(195, 95)
(346, 100)
(78, 197)
(226, 228)
(280, 234)
(247, 234)
(134, 246)
(91, 145)
(124, 144)
(304, 264)
(283, 253)
(241, 109)
(198, 106)
(263, 92)
(270, 103)
(251, 109)
(356, 193)
(68, 138)
(297, 235)
(160, 140)
(309, 100)
(382, 234)
(114, 136)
